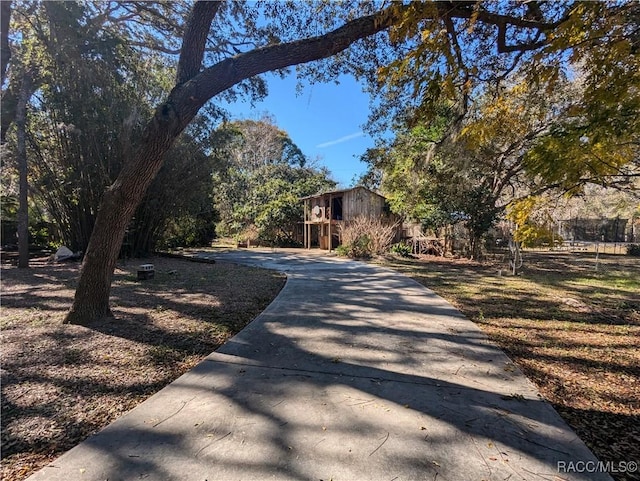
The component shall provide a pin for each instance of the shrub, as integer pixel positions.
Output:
(342, 250)
(401, 249)
(633, 250)
(362, 247)
(365, 236)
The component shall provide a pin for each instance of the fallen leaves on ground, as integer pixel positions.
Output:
(571, 322)
(61, 383)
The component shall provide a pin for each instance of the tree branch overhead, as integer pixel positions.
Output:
(434, 49)
(195, 39)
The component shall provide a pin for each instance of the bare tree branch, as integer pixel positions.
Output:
(521, 47)
(533, 22)
(464, 10)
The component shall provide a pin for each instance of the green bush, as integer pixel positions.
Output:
(633, 250)
(358, 248)
(401, 249)
(361, 247)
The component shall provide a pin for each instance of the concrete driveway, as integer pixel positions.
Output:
(354, 372)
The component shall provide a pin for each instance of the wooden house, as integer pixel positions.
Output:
(325, 213)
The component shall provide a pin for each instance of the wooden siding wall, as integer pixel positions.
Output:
(355, 203)
(323, 229)
(358, 202)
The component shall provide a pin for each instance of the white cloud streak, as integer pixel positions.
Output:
(346, 138)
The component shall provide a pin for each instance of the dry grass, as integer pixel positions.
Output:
(572, 329)
(61, 383)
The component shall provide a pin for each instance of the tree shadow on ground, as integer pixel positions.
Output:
(373, 360)
(60, 383)
(401, 386)
(572, 329)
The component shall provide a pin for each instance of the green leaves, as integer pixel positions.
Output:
(93, 92)
(261, 178)
(595, 137)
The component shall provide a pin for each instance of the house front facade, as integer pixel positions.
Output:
(324, 214)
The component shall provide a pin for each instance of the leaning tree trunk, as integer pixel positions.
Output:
(194, 89)
(92, 294)
(121, 200)
(118, 205)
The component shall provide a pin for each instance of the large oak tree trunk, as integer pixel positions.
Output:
(194, 88)
(92, 294)
(118, 205)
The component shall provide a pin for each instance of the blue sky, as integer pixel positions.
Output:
(324, 120)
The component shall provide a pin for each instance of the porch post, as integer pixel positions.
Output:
(330, 215)
(304, 224)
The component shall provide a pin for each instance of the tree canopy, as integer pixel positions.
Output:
(415, 55)
(92, 96)
(558, 110)
(584, 55)
(260, 178)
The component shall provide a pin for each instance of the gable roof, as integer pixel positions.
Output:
(341, 191)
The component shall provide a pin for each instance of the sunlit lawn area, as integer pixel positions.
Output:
(572, 326)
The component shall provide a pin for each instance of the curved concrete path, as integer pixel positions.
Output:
(354, 372)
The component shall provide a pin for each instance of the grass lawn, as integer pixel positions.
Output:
(62, 383)
(574, 330)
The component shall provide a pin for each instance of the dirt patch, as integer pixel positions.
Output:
(572, 324)
(61, 383)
